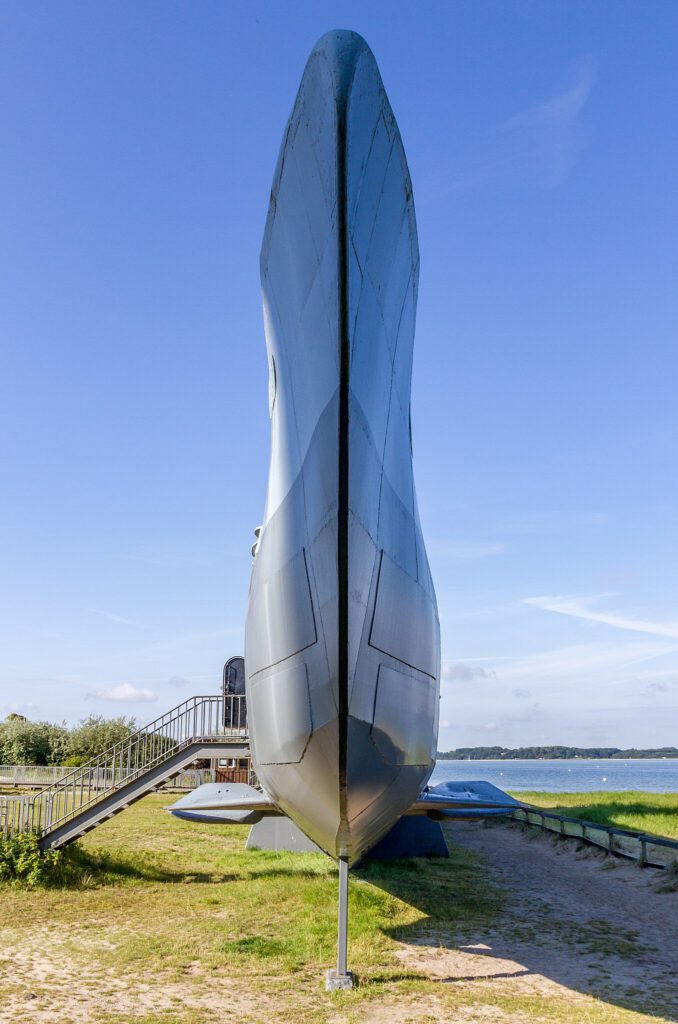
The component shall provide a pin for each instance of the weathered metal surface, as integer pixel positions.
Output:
(342, 646)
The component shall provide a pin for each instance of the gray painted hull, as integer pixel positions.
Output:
(342, 644)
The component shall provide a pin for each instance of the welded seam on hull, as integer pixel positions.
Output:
(342, 524)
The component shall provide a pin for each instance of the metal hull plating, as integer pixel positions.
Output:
(342, 645)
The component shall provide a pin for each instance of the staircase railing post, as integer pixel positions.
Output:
(75, 790)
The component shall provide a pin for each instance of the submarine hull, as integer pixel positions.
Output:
(342, 644)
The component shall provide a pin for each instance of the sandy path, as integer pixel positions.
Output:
(575, 919)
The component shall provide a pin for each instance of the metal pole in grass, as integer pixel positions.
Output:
(341, 978)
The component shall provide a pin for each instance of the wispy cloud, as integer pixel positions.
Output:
(112, 617)
(621, 691)
(583, 661)
(196, 559)
(456, 671)
(658, 687)
(538, 146)
(548, 135)
(19, 708)
(179, 681)
(463, 550)
(581, 608)
(169, 560)
(180, 646)
(127, 693)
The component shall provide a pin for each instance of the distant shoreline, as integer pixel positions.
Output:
(510, 760)
(557, 754)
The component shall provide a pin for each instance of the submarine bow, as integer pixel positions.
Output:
(342, 641)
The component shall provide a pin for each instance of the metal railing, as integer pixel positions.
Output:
(197, 720)
(29, 776)
(647, 849)
(15, 775)
(37, 776)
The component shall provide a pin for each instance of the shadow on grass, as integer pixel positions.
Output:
(473, 930)
(445, 891)
(81, 868)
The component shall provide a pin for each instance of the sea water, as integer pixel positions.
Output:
(576, 776)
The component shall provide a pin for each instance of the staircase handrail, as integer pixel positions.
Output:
(65, 798)
(146, 730)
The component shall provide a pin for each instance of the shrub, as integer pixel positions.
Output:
(22, 861)
(95, 734)
(24, 742)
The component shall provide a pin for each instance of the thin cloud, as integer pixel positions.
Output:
(654, 688)
(18, 708)
(126, 693)
(528, 714)
(112, 617)
(619, 692)
(583, 661)
(179, 681)
(464, 550)
(537, 147)
(454, 671)
(580, 608)
(184, 643)
(168, 561)
(548, 134)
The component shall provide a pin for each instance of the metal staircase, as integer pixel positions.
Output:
(214, 726)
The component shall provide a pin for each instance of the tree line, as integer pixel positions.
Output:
(26, 742)
(550, 753)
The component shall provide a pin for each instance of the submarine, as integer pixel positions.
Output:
(342, 636)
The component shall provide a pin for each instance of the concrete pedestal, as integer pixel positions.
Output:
(334, 981)
(279, 834)
(415, 836)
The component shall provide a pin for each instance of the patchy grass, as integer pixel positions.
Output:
(656, 813)
(167, 922)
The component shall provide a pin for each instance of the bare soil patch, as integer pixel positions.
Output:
(575, 920)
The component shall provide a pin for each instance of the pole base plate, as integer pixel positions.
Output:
(334, 982)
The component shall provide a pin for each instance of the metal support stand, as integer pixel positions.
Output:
(341, 978)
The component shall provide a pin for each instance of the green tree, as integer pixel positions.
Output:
(95, 734)
(24, 742)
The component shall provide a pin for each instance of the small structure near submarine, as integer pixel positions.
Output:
(342, 640)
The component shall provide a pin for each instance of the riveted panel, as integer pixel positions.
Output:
(405, 624)
(281, 621)
(281, 703)
(404, 738)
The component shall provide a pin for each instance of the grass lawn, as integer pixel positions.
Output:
(168, 922)
(645, 812)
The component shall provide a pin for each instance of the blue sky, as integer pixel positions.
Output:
(139, 141)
